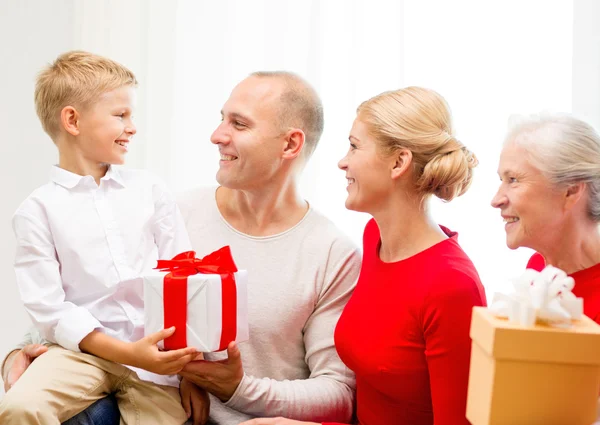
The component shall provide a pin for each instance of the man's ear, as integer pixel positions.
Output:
(574, 193)
(294, 143)
(402, 161)
(69, 120)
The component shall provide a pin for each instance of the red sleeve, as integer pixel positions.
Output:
(446, 323)
(536, 262)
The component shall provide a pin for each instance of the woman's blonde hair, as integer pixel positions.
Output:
(419, 120)
(565, 149)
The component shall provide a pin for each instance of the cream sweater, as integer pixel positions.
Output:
(298, 284)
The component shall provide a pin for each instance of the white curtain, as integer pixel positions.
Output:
(489, 59)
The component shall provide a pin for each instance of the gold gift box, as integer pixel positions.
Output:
(536, 375)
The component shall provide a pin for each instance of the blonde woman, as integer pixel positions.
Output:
(405, 331)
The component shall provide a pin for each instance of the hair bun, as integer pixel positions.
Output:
(449, 173)
(419, 119)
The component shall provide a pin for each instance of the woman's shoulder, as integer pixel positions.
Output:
(454, 274)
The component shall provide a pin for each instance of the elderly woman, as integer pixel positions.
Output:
(549, 197)
(405, 331)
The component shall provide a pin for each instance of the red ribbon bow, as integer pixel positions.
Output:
(175, 293)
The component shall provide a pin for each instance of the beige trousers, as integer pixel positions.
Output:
(61, 383)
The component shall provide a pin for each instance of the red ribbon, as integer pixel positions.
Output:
(175, 293)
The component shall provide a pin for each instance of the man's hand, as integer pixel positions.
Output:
(195, 402)
(18, 362)
(147, 355)
(220, 378)
(276, 421)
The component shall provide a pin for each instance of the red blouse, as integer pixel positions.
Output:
(405, 333)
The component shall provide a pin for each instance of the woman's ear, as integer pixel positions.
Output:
(574, 194)
(402, 162)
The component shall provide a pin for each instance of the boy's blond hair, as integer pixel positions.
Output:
(76, 78)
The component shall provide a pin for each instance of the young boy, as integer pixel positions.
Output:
(83, 242)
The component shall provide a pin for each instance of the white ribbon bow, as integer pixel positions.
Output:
(540, 296)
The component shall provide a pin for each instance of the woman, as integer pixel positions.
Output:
(405, 331)
(549, 197)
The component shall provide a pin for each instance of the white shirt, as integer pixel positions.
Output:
(82, 248)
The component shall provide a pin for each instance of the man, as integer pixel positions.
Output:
(301, 269)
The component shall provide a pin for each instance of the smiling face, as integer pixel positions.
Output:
(106, 127)
(249, 138)
(367, 170)
(532, 207)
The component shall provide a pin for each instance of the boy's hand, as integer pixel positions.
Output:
(146, 355)
(18, 362)
(195, 402)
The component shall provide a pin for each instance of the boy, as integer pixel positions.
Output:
(83, 242)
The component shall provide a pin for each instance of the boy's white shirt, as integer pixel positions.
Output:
(82, 249)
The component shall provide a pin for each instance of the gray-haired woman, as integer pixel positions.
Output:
(549, 197)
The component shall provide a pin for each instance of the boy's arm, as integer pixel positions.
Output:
(143, 353)
(40, 284)
(73, 327)
(170, 233)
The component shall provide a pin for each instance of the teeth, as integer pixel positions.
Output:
(121, 144)
(350, 181)
(511, 219)
(228, 157)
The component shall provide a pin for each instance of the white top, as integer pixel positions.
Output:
(298, 284)
(82, 248)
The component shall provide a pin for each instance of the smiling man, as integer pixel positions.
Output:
(302, 269)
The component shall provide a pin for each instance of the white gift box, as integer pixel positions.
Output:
(204, 308)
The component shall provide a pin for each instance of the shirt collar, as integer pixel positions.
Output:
(114, 175)
(69, 180)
